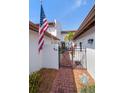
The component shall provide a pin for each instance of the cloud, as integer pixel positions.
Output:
(79, 3)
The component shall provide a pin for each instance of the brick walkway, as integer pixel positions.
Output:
(65, 60)
(64, 82)
(68, 79)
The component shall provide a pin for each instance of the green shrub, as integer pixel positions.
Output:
(34, 82)
(89, 89)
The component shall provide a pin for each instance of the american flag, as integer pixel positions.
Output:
(42, 28)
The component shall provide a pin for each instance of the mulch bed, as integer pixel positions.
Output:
(46, 80)
(77, 74)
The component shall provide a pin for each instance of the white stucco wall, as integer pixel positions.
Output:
(90, 49)
(90, 55)
(50, 55)
(58, 28)
(52, 30)
(90, 34)
(55, 30)
(47, 58)
(35, 59)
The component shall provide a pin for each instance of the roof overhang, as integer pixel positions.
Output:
(88, 22)
(65, 32)
(35, 28)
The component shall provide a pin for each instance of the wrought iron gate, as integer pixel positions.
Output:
(79, 58)
(77, 55)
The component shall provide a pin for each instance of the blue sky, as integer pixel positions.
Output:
(70, 13)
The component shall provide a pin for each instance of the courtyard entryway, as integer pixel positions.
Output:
(68, 77)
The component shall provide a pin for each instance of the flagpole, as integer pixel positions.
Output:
(43, 24)
(41, 1)
(39, 23)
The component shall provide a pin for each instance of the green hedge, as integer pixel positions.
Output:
(89, 89)
(34, 82)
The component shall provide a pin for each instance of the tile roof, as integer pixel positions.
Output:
(65, 32)
(51, 24)
(34, 27)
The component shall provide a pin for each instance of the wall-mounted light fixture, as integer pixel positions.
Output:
(90, 41)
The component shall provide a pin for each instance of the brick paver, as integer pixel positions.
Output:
(68, 78)
(64, 82)
(65, 60)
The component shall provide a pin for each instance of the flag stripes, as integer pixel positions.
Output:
(43, 27)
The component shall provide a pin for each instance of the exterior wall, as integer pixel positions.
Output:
(90, 54)
(90, 34)
(52, 30)
(47, 58)
(58, 28)
(55, 30)
(35, 59)
(50, 55)
(90, 49)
